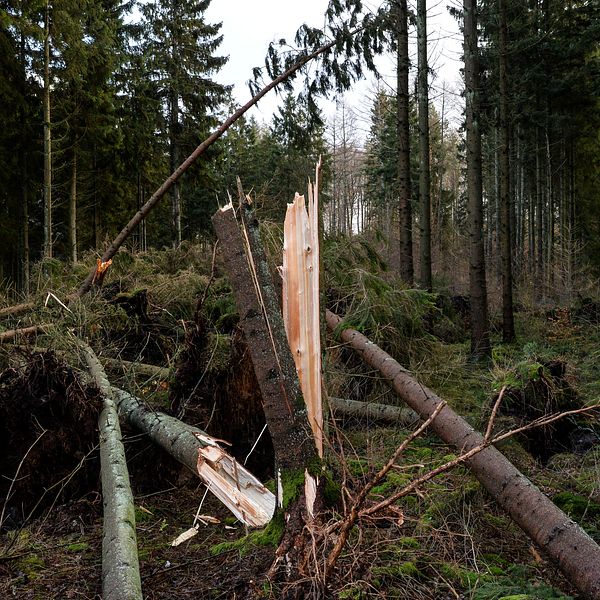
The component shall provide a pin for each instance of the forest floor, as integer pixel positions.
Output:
(453, 542)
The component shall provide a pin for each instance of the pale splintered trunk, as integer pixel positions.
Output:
(480, 335)
(424, 170)
(508, 324)
(301, 312)
(73, 210)
(47, 140)
(402, 124)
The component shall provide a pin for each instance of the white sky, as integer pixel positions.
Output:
(249, 26)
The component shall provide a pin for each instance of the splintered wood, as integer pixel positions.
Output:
(242, 493)
(301, 314)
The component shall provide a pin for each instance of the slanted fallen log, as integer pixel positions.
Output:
(120, 564)
(245, 496)
(574, 552)
(374, 411)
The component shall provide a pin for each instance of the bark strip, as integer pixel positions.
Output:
(120, 564)
(242, 493)
(574, 552)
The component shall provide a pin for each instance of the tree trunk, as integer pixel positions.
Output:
(372, 411)
(424, 166)
(480, 335)
(230, 482)
(47, 140)
(574, 552)
(403, 133)
(508, 322)
(73, 211)
(120, 564)
(260, 318)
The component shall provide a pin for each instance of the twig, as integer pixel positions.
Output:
(351, 518)
(490, 425)
(12, 483)
(202, 300)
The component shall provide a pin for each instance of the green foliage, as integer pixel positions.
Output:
(577, 506)
(269, 536)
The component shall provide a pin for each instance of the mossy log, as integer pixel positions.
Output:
(120, 564)
(374, 411)
(235, 486)
(574, 552)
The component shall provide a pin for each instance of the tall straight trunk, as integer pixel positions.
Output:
(174, 159)
(403, 133)
(25, 252)
(47, 140)
(508, 323)
(97, 207)
(531, 223)
(440, 205)
(480, 334)
(73, 210)
(550, 212)
(424, 166)
(571, 202)
(539, 229)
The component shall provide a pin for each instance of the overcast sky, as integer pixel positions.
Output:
(249, 26)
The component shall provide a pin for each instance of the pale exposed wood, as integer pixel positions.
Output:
(16, 309)
(137, 368)
(575, 553)
(120, 564)
(232, 483)
(301, 312)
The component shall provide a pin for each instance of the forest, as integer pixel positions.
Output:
(347, 355)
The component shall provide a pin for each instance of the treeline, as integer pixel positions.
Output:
(101, 100)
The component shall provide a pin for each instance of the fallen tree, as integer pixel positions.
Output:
(373, 411)
(120, 564)
(11, 334)
(574, 552)
(234, 485)
(16, 309)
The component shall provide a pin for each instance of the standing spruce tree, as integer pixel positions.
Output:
(480, 335)
(403, 132)
(179, 47)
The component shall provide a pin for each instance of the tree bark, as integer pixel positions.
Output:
(403, 134)
(16, 309)
(73, 210)
(424, 166)
(574, 552)
(508, 322)
(47, 140)
(11, 334)
(120, 564)
(297, 462)
(480, 335)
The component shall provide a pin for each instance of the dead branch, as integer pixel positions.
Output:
(120, 564)
(16, 309)
(575, 553)
(11, 334)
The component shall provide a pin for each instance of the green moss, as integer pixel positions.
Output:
(31, 565)
(142, 516)
(78, 547)
(392, 482)
(269, 536)
(405, 569)
(576, 506)
(468, 579)
(516, 597)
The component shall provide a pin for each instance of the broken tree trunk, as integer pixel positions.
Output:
(575, 553)
(374, 411)
(120, 564)
(244, 495)
(301, 302)
(285, 412)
